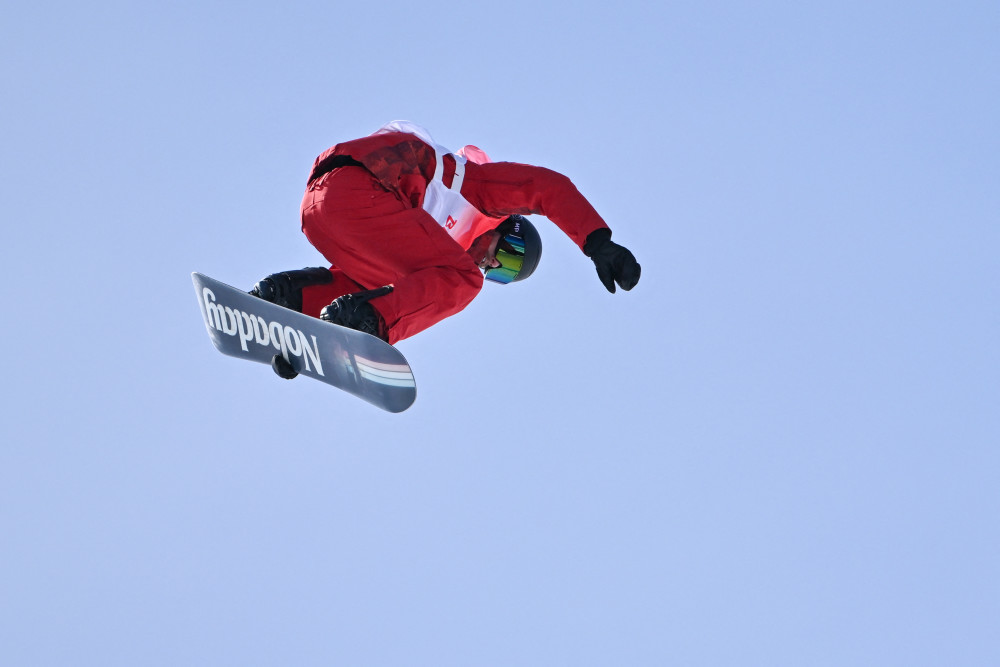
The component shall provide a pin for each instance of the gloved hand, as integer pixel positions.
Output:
(615, 263)
(354, 312)
(284, 369)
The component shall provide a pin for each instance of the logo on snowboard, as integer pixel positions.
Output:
(254, 328)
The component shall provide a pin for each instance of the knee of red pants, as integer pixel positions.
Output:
(426, 297)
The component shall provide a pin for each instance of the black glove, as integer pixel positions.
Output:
(615, 263)
(354, 312)
(281, 366)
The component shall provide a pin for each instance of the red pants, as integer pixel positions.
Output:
(372, 238)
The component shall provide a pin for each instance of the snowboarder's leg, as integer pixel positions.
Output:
(377, 240)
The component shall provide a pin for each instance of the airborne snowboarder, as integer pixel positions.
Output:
(411, 229)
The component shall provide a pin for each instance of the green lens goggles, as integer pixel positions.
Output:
(510, 254)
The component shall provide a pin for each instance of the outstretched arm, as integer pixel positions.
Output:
(506, 188)
(499, 189)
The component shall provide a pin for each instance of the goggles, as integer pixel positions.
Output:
(510, 254)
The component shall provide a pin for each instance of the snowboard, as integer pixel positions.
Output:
(241, 325)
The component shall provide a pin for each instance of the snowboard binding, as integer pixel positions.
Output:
(285, 288)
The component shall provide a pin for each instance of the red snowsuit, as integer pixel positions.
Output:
(368, 222)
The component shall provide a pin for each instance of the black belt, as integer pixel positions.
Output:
(331, 162)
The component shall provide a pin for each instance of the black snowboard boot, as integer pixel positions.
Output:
(285, 288)
(354, 312)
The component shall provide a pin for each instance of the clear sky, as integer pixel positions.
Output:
(781, 448)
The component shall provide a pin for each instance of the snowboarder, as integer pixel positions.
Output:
(409, 226)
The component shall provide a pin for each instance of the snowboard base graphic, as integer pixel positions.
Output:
(241, 325)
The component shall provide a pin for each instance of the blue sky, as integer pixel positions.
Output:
(781, 448)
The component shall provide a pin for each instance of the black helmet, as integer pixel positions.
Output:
(518, 251)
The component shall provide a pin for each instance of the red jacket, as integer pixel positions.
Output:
(403, 163)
